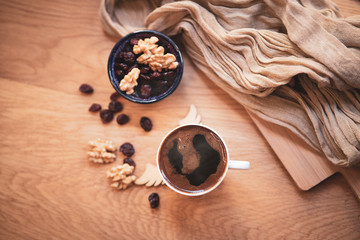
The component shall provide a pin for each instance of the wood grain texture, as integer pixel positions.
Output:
(49, 190)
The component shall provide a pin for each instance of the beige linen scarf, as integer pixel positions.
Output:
(293, 63)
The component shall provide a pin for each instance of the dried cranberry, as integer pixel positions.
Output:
(122, 119)
(145, 70)
(130, 162)
(134, 41)
(115, 106)
(145, 90)
(106, 116)
(154, 200)
(95, 107)
(155, 76)
(127, 149)
(129, 58)
(86, 88)
(146, 124)
(114, 96)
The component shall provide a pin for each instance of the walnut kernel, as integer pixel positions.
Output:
(121, 176)
(101, 151)
(153, 55)
(130, 81)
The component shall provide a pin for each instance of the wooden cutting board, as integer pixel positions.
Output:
(307, 167)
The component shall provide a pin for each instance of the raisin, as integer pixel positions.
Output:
(120, 74)
(168, 75)
(134, 41)
(130, 162)
(133, 66)
(154, 200)
(114, 96)
(106, 116)
(122, 119)
(115, 106)
(146, 124)
(95, 107)
(86, 88)
(145, 70)
(127, 48)
(145, 90)
(157, 90)
(120, 57)
(155, 76)
(164, 83)
(127, 149)
(123, 66)
(129, 58)
(144, 77)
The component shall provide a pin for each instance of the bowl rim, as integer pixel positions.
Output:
(115, 83)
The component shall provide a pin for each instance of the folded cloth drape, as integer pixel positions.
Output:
(295, 63)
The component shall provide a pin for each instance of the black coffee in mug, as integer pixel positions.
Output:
(192, 159)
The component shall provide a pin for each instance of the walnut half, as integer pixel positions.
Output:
(153, 55)
(121, 176)
(101, 151)
(130, 81)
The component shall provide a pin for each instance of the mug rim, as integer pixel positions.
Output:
(192, 193)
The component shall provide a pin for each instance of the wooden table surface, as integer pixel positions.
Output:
(48, 188)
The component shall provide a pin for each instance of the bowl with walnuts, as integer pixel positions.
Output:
(145, 66)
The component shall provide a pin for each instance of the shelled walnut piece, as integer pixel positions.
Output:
(153, 55)
(121, 176)
(101, 151)
(146, 46)
(130, 81)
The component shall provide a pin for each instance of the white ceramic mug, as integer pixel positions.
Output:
(229, 163)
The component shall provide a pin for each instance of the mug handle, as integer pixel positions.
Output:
(239, 164)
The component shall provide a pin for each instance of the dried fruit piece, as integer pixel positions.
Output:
(106, 116)
(169, 75)
(115, 106)
(145, 91)
(127, 149)
(146, 124)
(130, 162)
(154, 200)
(114, 96)
(95, 107)
(134, 41)
(129, 58)
(120, 57)
(145, 70)
(86, 88)
(123, 66)
(120, 73)
(122, 119)
(144, 77)
(155, 76)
